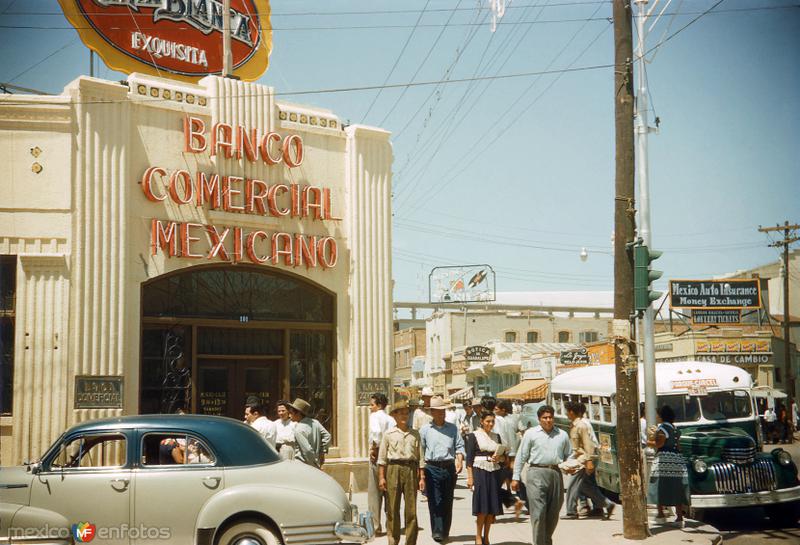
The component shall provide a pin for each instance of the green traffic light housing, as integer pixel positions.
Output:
(643, 275)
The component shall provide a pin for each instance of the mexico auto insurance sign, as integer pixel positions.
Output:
(181, 39)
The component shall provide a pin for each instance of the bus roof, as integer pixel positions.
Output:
(671, 377)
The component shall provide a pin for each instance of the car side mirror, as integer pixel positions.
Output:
(34, 467)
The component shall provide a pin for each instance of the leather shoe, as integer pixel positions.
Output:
(437, 538)
(609, 510)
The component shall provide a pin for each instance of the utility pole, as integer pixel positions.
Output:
(227, 56)
(645, 232)
(789, 236)
(629, 457)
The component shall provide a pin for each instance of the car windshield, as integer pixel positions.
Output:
(685, 407)
(725, 405)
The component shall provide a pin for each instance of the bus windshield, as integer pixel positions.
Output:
(725, 405)
(685, 407)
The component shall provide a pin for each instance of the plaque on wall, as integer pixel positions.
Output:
(98, 392)
(365, 387)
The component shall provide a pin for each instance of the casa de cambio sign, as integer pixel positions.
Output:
(240, 195)
(180, 37)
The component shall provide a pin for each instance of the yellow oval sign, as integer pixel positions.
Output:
(180, 39)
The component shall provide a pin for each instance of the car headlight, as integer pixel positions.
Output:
(699, 466)
(784, 458)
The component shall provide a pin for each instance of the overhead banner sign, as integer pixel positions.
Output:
(462, 284)
(703, 316)
(181, 39)
(715, 294)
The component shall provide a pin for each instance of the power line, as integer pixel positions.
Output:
(397, 60)
(368, 87)
(428, 25)
(34, 65)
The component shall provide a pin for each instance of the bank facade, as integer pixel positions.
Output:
(180, 245)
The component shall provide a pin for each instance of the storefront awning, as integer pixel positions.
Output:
(462, 394)
(527, 389)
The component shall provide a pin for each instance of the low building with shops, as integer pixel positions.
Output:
(173, 245)
(408, 344)
(516, 318)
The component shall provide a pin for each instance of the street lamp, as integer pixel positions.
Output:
(584, 254)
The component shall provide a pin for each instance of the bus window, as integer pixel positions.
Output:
(724, 405)
(685, 407)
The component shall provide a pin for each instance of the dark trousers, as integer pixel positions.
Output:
(440, 485)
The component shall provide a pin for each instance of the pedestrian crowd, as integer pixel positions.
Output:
(424, 449)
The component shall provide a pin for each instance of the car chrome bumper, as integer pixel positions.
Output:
(711, 501)
(356, 532)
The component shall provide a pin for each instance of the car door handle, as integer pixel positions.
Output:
(123, 482)
(211, 482)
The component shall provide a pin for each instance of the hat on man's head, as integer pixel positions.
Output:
(438, 402)
(302, 406)
(476, 401)
(399, 405)
(427, 391)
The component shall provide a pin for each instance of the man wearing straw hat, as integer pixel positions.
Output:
(443, 448)
(400, 472)
(311, 439)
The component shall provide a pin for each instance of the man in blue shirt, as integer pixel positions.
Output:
(443, 448)
(543, 448)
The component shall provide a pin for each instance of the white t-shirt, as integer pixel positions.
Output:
(284, 431)
(266, 428)
(379, 422)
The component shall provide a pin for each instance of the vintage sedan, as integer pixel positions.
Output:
(189, 479)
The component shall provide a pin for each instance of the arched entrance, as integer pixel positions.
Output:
(212, 336)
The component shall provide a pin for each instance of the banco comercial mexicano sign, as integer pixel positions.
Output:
(715, 294)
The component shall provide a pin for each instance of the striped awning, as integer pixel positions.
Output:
(462, 394)
(535, 388)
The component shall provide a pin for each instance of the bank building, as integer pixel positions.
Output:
(167, 244)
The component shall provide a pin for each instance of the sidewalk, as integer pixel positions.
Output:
(508, 531)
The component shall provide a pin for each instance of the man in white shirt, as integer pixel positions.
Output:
(284, 436)
(379, 423)
(770, 418)
(254, 414)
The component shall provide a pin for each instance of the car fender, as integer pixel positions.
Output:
(279, 503)
(23, 520)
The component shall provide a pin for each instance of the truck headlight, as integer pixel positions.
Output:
(699, 466)
(784, 458)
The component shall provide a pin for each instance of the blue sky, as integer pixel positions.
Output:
(519, 172)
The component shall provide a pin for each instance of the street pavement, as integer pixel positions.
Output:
(510, 531)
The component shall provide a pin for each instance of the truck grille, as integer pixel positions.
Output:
(734, 478)
(740, 455)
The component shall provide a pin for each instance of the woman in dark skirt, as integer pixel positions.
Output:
(669, 478)
(484, 457)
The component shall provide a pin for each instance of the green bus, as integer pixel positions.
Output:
(720, 434)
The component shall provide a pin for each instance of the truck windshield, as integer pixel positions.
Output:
(725, 405)
(685, 407)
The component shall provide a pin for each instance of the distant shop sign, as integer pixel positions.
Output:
(478, 354)
(96, 392)
(578, 356)
(715, 294)
(728, 316)
(181, 39)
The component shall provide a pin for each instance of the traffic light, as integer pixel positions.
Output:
(643, 275)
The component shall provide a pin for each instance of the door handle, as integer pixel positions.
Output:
(123, 482)
(211, 482)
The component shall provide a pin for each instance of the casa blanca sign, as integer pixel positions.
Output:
(181, 39)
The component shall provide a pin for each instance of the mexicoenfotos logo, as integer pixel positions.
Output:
(84, 532)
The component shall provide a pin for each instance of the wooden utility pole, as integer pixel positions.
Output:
(788, 238)
(629, 455)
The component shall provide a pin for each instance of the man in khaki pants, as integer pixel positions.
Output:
(400, 472)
